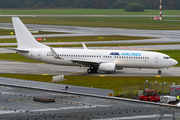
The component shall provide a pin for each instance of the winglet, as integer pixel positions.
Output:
(54, 53)
(84, 46)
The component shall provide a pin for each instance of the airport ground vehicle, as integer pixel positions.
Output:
(168, 99)
(150, 95)
(173, 95)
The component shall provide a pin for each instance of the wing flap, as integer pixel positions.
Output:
(85, 62)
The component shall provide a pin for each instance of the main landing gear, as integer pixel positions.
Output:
(92, 70)
(159, 71)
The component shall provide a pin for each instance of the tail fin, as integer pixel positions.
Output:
(24, 38)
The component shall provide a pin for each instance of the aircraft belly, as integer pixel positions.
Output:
(133, 64)
(59, 62)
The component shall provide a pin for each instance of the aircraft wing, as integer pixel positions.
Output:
(85, 62)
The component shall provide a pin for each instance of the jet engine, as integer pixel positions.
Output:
(108, 67)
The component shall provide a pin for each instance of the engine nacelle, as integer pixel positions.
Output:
(108, 67)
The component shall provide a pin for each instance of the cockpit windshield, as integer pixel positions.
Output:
(167, 57)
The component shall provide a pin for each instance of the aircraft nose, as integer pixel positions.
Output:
(174, 62)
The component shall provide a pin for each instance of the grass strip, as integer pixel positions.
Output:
(15, 57)
(8, 40)
(42, 78)
(83, 12)
(112, 22)
(112, 83)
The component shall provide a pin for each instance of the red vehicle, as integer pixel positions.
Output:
(150, 95)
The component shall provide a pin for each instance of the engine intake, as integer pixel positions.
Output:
(108, 67)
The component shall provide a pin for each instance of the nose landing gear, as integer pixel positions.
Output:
(159, 71)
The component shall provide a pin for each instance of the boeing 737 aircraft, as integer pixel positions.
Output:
(102, 60)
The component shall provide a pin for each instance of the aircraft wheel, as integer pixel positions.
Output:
(89, 70)
(94, 70)
(159, 71)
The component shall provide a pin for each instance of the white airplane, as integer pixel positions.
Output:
(104, 60)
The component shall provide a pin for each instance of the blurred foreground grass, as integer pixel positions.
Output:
(112, 83)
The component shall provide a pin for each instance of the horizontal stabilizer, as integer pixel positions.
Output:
(19, 50)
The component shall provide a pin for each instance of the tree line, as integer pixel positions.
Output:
(96, 4)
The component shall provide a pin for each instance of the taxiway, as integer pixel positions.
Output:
(12, 67)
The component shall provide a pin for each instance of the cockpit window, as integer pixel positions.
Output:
(167, 57)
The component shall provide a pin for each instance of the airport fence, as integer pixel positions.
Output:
(134, 91)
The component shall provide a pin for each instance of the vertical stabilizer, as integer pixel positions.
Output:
(24, 38)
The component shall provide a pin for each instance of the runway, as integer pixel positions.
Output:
(95, 31)
(160, 36)
(12, 67)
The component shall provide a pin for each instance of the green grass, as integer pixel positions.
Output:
(83, 12)
(112, 22)
(112, 83)
(6, 31)
(95, 38)
(15, 57)
(42, 78)
(8, 41)
(83, 39)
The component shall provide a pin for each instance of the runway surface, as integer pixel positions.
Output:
(119, 43)
(161, 36)
(12, 67)
(93, 31)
